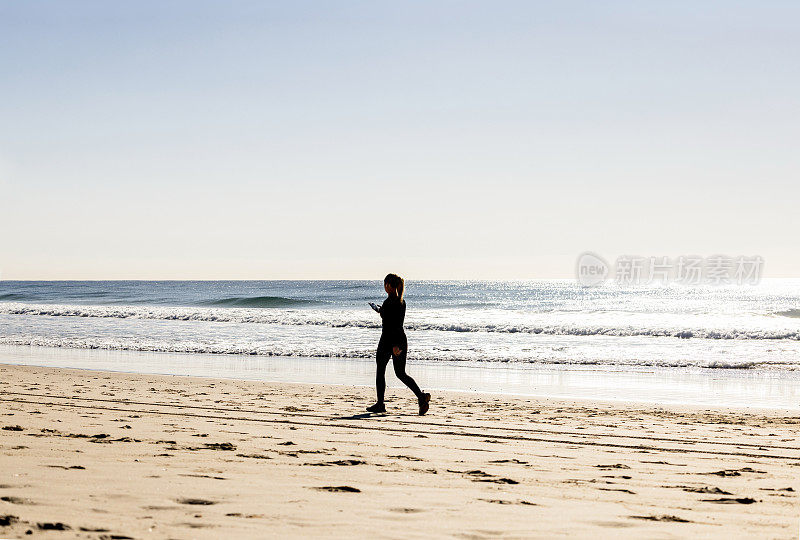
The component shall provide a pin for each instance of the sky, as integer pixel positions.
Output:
(438, 140)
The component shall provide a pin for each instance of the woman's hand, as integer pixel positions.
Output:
(397, 350)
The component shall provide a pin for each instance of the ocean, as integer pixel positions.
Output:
(541, 322)
(485, 325)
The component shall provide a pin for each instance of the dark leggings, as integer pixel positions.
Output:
(384, 353)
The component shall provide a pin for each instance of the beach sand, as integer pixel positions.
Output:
(116, 455)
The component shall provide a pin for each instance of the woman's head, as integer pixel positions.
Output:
(394, 284)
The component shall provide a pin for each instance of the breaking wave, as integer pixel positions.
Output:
(320, 350)
(259, 302)
(350, 318)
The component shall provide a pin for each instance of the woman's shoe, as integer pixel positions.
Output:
(424, 403)
(378, 407)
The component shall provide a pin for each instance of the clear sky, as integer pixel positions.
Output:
(258, 140)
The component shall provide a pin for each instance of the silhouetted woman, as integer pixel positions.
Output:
(393, 344)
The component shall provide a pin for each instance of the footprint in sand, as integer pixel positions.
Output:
(204, 476)
(503, 501)
(621, 490)
(196, 525)
(481, 476)
(220, 446)
(15, 500)
(53, 526)
(254, 456)
(674, 519)
(735, 472)
(340, 462)
(199, 502)
(8, 520)
(496, 480)
(705, 489)
(339, 489)
(731, 500)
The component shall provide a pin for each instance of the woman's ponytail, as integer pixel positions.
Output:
(397, 282)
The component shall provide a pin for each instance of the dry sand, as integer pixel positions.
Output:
(113, 455)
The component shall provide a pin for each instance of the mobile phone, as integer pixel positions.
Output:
(375, 307)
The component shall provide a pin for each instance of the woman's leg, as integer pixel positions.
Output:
(382, 358)
(400, 370)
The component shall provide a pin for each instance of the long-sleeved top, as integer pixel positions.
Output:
(393, 312)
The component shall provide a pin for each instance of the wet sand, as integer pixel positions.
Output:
(743, 388)
(93, 454)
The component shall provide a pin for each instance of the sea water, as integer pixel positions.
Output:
(749, 331)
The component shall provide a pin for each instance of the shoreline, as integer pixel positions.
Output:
(160, 456)
(718, 388)
(401, 392)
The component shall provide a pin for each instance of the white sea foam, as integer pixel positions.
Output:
(339, 351)
(684, 326)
